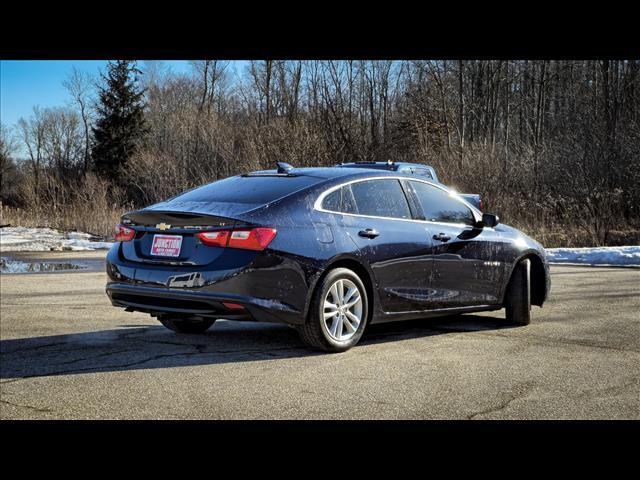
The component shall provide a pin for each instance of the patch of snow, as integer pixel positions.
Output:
(23, 239)
(596, 255)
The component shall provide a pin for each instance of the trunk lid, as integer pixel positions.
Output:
(179, 229)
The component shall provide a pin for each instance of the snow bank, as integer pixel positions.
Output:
(23, 239)
(596, 255)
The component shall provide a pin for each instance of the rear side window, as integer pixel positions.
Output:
(438, 206)
(249, 189)
(333, 201)
(380, 198)
(340, 200)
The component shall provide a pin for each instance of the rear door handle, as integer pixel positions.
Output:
(369, 233)
(442, 237)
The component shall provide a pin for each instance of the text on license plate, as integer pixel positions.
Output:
(166, 245)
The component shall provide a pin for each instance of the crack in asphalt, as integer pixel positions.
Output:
(560, 341)
(106, 354)
(512, 398)
(109, 367)
(590, 393)
(31, 348)
(29, 407)
(201, 349)
(610, 390)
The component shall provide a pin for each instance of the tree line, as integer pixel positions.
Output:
(552, 146)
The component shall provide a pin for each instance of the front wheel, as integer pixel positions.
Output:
(338, 312)
(186, 326)
(518, 295)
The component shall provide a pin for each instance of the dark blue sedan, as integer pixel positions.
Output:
(326, 250)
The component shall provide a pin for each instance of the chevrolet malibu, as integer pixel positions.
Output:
(325, 250)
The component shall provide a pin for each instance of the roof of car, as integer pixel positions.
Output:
(377, 164)
(318, 172)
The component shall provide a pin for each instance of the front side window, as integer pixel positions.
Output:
(380, 198)
(439, 206)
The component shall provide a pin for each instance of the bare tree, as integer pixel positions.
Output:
(80, 87)
(33, 136)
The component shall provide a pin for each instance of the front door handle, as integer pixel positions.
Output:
(369, 233)
(442, 237)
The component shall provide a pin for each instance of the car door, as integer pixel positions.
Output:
(378, 218)
(465, 267)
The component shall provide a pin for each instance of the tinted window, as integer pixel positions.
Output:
(348, 202)
(333, 201)
(250, 189)
(439, 206)
(340, 200)
(381, 198)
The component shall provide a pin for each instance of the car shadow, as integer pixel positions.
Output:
(424, 327)
(135, 347)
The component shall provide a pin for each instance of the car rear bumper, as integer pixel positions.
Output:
(271, 289)
(159, 301)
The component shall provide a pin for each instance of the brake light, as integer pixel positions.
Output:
(214, 239)
(123, 234)
(246, 239)
(254, 239)
(481, 204)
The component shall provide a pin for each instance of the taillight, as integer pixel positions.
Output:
(123, 234)
(254, 239)
(481, 204)
(214, 239)
(246, 239)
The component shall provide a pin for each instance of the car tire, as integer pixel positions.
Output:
(320, 331)
(518, 295)
(186, 326)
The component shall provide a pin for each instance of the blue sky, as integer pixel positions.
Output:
(26, 83)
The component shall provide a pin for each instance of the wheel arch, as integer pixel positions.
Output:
(357, 267)
(539, 279)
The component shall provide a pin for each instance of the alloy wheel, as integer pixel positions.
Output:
(342, 311)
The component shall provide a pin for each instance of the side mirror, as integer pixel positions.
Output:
(490, 220)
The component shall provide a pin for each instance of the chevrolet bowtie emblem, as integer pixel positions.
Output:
(163, 226)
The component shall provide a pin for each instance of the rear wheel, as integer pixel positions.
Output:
(338, 313)
(186, 325)
(518, 295)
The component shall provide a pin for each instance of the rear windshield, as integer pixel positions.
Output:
(249, 189)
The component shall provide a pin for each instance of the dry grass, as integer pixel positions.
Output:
(86, 218)
(575, 237)
(90, 205)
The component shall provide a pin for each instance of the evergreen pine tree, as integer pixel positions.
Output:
(120, 124)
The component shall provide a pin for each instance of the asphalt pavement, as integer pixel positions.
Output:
(66, 353)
